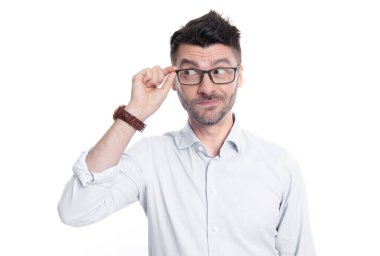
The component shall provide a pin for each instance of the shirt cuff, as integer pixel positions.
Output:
(86, 177)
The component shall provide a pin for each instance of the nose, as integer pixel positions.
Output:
(206, 86)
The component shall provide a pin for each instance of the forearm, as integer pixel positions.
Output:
(147, 96)
(107, 152)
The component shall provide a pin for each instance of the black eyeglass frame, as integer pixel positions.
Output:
(208, 72)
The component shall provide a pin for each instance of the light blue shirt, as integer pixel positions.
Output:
(248, 201)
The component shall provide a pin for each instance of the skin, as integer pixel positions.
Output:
(208, 105)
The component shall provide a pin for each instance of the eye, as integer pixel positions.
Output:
(189, 72)
(219, 71)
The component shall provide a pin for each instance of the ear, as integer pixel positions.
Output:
(174, 84)
(240, 76)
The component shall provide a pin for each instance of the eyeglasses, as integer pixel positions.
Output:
(193, 76)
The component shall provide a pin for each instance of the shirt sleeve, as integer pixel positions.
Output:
(89, 197)
(294, 237)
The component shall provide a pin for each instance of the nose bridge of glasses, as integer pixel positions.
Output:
(208, 72)
(203, 84)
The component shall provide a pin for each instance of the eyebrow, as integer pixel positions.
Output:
(195, 64)
(187, 61)
(225, 60)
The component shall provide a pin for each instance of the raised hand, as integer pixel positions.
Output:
(150, 87)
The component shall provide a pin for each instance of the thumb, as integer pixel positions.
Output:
(168, 83)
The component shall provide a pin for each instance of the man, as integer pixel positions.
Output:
(208, 189)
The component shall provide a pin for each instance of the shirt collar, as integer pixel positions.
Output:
(236, 136)
(187, 138)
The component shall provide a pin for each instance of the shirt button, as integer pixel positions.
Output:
(214, 191)
(200, 149)
(215, 228)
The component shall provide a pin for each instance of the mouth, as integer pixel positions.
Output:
(211, 102)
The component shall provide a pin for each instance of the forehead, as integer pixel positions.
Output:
(205, 57)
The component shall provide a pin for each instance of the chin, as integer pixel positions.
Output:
(208, 119)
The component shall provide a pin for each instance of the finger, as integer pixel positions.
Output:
(153, 77)
(147, 75)
(169, 69)
(140, 76)
(158, 76)
(153, 80)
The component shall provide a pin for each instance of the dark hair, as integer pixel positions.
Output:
(204, 31)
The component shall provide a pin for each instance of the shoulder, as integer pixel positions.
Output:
(162, 141)
(169, 138)
(269, 152)
(262, 146)
(143, 151)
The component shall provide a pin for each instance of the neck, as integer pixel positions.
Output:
(213, 136)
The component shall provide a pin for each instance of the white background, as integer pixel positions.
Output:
(311, 86)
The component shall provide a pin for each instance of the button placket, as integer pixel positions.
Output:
(212, 221)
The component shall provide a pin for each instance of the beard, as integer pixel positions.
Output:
(208, 116)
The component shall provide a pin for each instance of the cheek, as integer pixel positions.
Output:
(228, 93)
(187, 92)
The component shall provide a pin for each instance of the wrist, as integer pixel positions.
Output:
(136, 111)
(123, 114)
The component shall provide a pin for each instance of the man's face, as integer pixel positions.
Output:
(207, 103)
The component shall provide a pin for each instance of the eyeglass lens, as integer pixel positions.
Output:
(195, 76)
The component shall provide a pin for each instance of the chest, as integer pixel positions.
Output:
(237, 193)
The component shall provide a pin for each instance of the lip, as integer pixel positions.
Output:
(209, 102)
